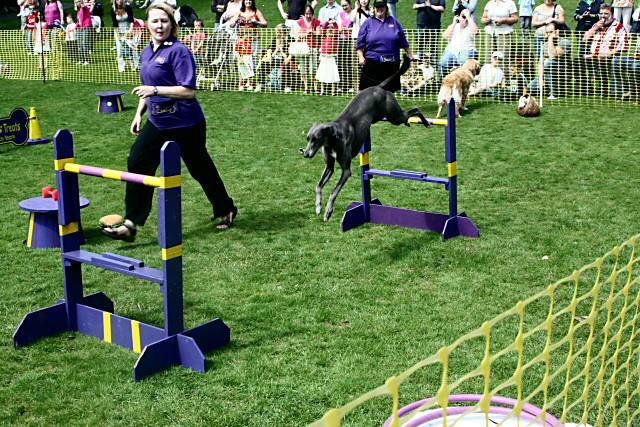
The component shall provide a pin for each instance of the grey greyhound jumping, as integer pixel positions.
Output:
(342, 138)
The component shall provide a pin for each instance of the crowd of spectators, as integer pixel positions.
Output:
(314, 47)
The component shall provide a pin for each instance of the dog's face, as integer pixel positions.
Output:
(473, 66)
(319, 135)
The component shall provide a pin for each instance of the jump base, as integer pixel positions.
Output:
(95, 318)
(448, 227)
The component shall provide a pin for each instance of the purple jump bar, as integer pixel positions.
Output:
(123, 265)
(124, 176)
(408, 175)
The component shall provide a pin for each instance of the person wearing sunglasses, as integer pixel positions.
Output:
(461, 42)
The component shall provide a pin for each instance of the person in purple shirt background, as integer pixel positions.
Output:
(168, 74)
(379, 42)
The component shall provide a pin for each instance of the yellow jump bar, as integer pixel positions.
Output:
(415, 120)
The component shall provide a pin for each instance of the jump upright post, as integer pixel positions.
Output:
(372, 210)
(93, 314)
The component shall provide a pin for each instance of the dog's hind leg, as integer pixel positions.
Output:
(346, 173)
(395, 113)
(463, 102)
(326, 174)
(439, 111)
(415, 112)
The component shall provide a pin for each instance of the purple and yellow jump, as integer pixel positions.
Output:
(93, 315)
(151, 181)
(448, 224)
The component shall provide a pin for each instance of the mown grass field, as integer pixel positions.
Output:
(317, 317)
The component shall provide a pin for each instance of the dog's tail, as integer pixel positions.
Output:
(406, 63)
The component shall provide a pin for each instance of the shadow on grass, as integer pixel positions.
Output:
(92, 233)
(254, 222)
(407, 246)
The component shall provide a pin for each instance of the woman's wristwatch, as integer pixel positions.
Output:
(155, 90)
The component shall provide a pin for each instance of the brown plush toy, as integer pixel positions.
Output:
(528, 106)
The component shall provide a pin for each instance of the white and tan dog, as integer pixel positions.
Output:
(456, 85)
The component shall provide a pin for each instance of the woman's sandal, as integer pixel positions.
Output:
(227, 221)
(127, 231)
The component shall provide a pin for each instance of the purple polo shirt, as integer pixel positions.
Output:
(382, 40)
(171, 65)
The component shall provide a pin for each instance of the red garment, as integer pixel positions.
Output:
(329, 33)
(32, 20)
(244, 47)
(614, 37)
(138, 26)
(250, 22)
(307, 30)
(329, 46)
(197, 38)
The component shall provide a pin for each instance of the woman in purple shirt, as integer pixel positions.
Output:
(168, 74)
(379, 42)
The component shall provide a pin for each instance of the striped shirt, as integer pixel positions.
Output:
(612, 40)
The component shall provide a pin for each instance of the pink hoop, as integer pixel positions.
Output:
(529, 411)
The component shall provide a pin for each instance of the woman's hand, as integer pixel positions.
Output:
(135, 124)
(144, 91)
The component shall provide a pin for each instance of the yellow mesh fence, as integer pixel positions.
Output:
(572, 350)
(278, 60)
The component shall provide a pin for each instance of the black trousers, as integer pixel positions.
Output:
(144, 158)
(374, 73)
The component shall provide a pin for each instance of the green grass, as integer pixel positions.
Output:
(318, 317)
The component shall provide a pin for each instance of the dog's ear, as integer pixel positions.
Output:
(336, 134)
(316, 130)
(476, 66)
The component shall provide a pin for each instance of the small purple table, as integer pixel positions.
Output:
(110, 102)
(43, 221)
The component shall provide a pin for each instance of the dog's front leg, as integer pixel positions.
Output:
(417, 113)
(346, 173)
(328, 172)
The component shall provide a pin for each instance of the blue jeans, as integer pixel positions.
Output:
(626, 72)
(392, 8)
(275, 79)
(450, 60)
(550, 67)
(84, 39)
(28, 41)
(537, 46)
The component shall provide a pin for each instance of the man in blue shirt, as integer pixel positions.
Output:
(329, 12)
